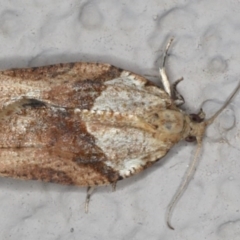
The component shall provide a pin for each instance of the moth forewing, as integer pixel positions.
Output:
(90, 130)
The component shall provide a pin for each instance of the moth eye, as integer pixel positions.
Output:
(190, 139)
(196, 118)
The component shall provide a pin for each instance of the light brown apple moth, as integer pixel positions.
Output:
(90, 124)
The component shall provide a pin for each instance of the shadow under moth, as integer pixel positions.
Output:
(90, 124)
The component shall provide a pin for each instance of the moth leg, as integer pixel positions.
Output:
(162, 71)
(114, 185)
(89, 194)
(177, 97)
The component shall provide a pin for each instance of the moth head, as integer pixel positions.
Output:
(197, 125)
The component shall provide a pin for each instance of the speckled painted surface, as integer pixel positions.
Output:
(132, 35)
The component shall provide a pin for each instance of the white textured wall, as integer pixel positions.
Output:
(132, 35)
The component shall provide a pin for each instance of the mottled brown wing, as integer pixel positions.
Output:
(85, 148)
(42, 138)
(50, 144)
(67, 85)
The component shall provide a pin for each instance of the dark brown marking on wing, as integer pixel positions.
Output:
(102, 169)
(34, 103)
(51, 167)
(88, 85)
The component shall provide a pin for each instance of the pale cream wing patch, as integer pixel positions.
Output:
(131, 94)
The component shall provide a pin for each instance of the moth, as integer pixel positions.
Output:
(91, 124)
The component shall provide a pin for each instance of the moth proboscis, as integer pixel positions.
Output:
(90, 124)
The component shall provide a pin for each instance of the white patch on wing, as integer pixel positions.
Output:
(116, 120)
(128, 166)
(127, 148)
(129, 94)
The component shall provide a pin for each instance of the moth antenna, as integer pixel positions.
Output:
(114, 185)
(166, 52)
(187, 178)
(211, 119)
(165, 82)
(89, 194)
(192, 168)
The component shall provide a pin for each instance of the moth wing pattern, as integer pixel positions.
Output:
(84, 124)
(65, 85)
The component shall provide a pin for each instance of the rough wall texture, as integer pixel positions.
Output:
(132, 35)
